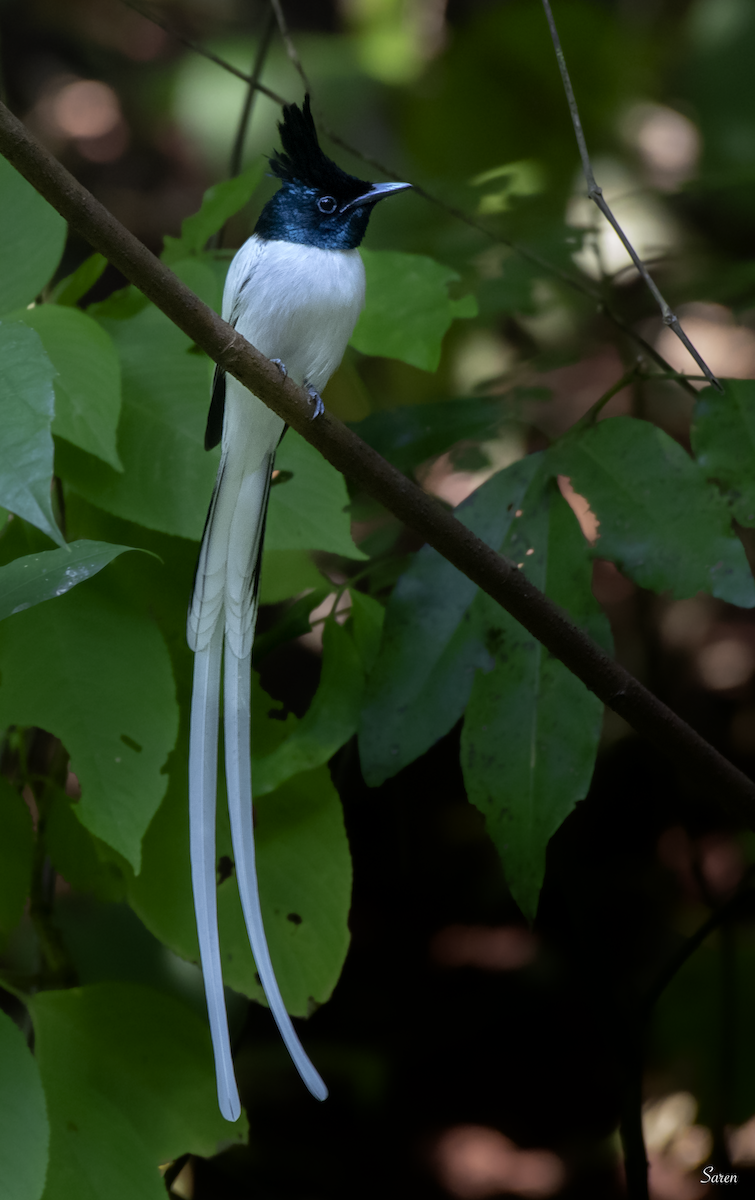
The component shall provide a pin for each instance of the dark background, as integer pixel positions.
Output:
(432, 1028)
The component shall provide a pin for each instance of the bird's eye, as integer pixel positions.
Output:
(327, 204)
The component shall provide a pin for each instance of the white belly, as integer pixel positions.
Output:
(296, 303)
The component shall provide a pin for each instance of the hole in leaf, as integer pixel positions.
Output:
(280, 476)
(225, 867)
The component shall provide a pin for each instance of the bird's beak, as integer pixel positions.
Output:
(378, 191)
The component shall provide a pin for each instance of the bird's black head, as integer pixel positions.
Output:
(317, 203)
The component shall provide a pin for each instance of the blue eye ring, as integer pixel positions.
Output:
(327, 205)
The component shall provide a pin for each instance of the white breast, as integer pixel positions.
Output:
(296, 303)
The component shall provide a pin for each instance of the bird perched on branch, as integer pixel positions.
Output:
(294, 290)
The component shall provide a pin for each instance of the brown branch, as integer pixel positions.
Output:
(495, 574)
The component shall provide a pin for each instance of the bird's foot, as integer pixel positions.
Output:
(316, 399)
(280, 365)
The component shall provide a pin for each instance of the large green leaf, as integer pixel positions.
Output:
(723, 439)
(410, 435)
(531, 728)
(32, 235)
(16, 852)
(408, 309)
(129, 1081)
(218, 204)
(661, 522)
(308, 510)
(96, 674)
(168, 477)
(24, 1128)
(27, 406)
(430, 647)
(36, 577)
(88, 386)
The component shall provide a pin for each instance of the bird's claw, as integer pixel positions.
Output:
(316, 399)
(280, 365)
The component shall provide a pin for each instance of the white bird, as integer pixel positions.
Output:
(294, 290)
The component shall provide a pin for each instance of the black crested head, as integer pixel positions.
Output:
(317, 203)
(304, 161)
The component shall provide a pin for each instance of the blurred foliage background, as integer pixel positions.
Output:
(474, 1055)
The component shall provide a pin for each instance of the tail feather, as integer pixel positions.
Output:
(221, 623)
(236, 675)
(203, 760)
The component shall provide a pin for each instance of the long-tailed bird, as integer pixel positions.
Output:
(294, 290)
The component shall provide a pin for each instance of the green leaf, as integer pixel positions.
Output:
(286, 573)
(367, 618)
(88, 386)
(723, 440)
(129, 1082)
(27, 406)
(16, 853)
(430, 648)
(308, 511)
(218, 204)
(36, 577)
(31, 239)
(304, 869)
(24, 1128)
(74, 287)
(531, 728)
(168, 477)
(98, 676)
(410, 435)
(661, 522)
(330, 720)
(408, 309)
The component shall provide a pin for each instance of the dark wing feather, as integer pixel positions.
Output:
(214, 430)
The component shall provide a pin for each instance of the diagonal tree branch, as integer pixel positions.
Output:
(495, 574)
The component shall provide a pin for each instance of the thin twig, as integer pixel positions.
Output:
(266, 33)
(198, 49)
(572, 281)
(268, 24)
(496, 575)
(291, 50)
(595, 194)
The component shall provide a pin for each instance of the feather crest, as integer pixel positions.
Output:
(304, 162)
